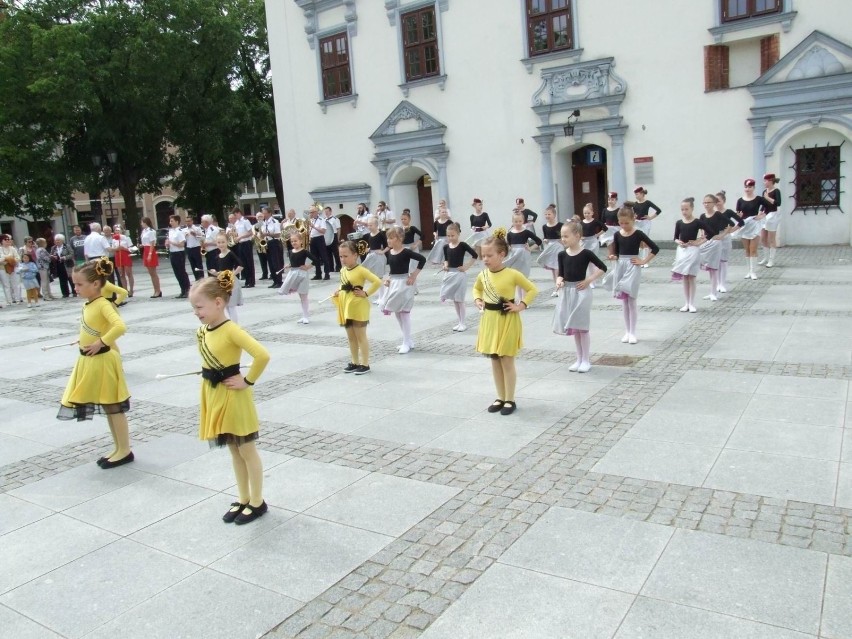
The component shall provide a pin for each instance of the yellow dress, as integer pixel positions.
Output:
(97, 382)
(501, 333)
(349, 305)
(228, 415)
(113, 293)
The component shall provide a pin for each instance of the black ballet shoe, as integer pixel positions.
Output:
(508, 408)
(102, 460)
(497, 406)
(231, 515)
(119, 462)
(254, 513)
(160, 294)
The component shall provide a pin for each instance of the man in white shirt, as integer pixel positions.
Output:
(97, 246)
(176, 243)
(194, 235)
(287, 226)
(385, 216)
(362, 218)
(244, 246)
(332, 239)
(317, 243)
(270, 228)
(211, 232)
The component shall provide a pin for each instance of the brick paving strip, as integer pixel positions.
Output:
(402, 589)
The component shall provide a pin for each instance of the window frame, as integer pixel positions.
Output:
(818, 177)
(548, 15)
(421, 45)
(327, 70)
(396, 9)
(751, 12)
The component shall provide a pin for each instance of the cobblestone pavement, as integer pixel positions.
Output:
(403, 588)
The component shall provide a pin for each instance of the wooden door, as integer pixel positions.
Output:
(427, 215)
(585, 190)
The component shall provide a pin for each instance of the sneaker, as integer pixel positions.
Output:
(632, 339)
(644, 266)
(584, 367)
(769, 264)
(304, 320)
(362, 370)
(625, 339)
(29, 305)
(462, 328)
(692, 309)
(722, 289)
(554, 294)
(752, 276)
(747, 276)
(351, 368)
(711, 297)
(683, 309)
(403, 349)
(456, 328)
(762, 261)
(573, 368)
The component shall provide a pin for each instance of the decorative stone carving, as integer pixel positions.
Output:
(579, 82)
(816, 63)
(311, 9)
(406, 111)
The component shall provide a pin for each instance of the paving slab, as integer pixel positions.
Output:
(671, 462)
(103, 584)
(837, 610)
(45, 545)
(784, 438)
(207, 595)
(302, 557)
(214, 470)
(763, 582)
(383, 504)
(298, 484)
(520, 604)
(654, 619)
(611, 552)
(20, 627)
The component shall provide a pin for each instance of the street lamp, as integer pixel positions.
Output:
(97, 160)
(568, 129)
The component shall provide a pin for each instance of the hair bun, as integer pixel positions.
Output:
(226, 281)
(104, 267)
(499, 232)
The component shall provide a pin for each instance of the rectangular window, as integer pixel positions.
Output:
(739, 9)
(549, 26)
(818, 177)
(334, 60)
(420, 44)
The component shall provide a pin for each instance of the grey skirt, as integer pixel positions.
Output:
(518, 259)
(711, 255)
(727, 244)
(296, 281)
(751, 228)
(549, 257)
(592, 244)
(399, 295)
(606, 237)
(475, 239)
(573, 310)
(454, 286)
(236, 294)
(626, 278)
(436, 255)
(644, 226)
(375, 263)
(687, 261)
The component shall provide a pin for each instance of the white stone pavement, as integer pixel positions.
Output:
(140, 551)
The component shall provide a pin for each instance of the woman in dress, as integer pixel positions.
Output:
(123, 260)
(150, 259)
(772, 197)
(749, 208)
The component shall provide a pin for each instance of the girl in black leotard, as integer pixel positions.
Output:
(642, 208)
(727, 241)
(772, 199)
(749, 209)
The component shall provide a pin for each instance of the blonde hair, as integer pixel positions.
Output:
(219, 286)
(626, 212)
(96, 270)
(395, 232)
(573, 227)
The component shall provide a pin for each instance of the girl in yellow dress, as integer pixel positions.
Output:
(353, 309)
(500, 334)
(97, 382)
(228, 415)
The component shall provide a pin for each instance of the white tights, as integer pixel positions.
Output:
(631, 311)
(404, 320)
(303, 298)
(723, 275)
(583, 344)
(232, 314)
(460, 311)
(688, 290)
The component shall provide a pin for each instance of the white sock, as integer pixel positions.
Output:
(305, 307)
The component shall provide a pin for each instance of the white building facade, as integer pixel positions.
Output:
(413, 101)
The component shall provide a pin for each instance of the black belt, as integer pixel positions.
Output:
(218, 375)
(348, 288)
(103, 349)
(499, 306)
